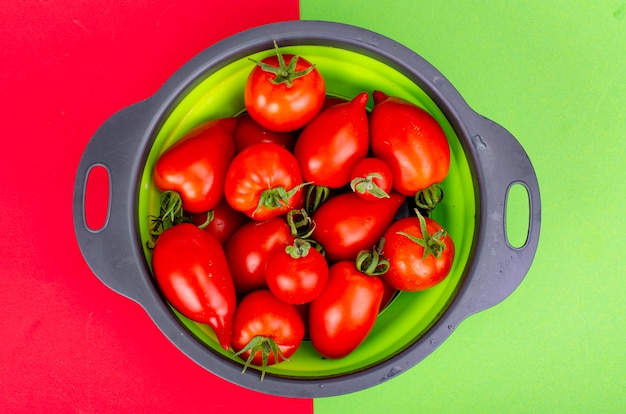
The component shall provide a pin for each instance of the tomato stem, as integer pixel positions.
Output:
(170, 213)
(210, 215)
(315, 196)
(284, 73)
(371, 262)
(267, 346)
(366, 185)
(300, 223)
(432, 244)
(428, 198)
(277, 197)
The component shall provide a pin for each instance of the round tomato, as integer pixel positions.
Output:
(249, 132)
(420, 253)
(410, 141)
(191, 270)
(266, 330)
(331, 145)
(195, 166)
(371, 179)
(249, 249)
(296, 274)
(284, 92)
(344, 314)
(347, 224)
(264, 181)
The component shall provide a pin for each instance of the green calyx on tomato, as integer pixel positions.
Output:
(300, 223)
(170, 213)
(277, 197)
(267, 346)
(299, 248)
(371, 262)
(363, 185)
(315, 196)
(432, 244)
(428, 198)
(284, 73)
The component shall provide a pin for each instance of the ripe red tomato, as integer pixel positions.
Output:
(371, 179)
(223, 221)
(333, 143)
(420, 253)
(191, 270)
(249, 249)
(296, 274)
(284, 92)
(249, 132)
(347, 224)
(266, 330)
(410, 141)
(344, 314)
(264, 181)
(195, 166)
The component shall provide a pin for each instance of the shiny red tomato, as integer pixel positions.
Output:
(221, 222)
(249, 248)
(347, 224)
(410, 141)
(191, 270)
(249, 132)
(331, 145)
(341, 318)
(264, 181)
(195, 167)
(371, 179)
(284, 92)
(420, 253)
(266, 330)
(296, 274)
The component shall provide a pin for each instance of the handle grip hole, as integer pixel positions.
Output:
(517, 215)
(96, 202)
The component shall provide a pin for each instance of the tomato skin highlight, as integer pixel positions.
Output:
(191, 270)
(410, 141)
(195, 167)
(296, 280)
(279, 107)
(257, 169)
(409, 271)
(249, 248)
(260, 313)
(345, 313)
(331, 145)
(347, 224)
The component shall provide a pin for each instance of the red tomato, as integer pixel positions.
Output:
(371, 179)
(191, 270)
(249, 132)
(249, 249)
(333, 143)
(195, 166)
(410, 141)
(264, 181)
(296, 274)
(223, 221)
(347, 224)
(420, 253)
(266, 330)
(281, 97)
(344, 314)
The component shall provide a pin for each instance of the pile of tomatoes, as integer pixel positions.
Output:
(281, 223)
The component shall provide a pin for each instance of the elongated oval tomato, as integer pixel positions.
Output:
(333, 143)
(347, 224)
(410, 141)
(282, 98)
(419, 258)
(195, 167)
(342, 317)
(191, 270)
(249, 248)
(264, 181)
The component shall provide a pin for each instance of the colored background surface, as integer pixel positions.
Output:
(550, 72)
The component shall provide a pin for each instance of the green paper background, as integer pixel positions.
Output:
(554, 74)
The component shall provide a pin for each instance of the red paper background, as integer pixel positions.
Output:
(69, 344)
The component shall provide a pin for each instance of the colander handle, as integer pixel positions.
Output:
(498, 267)
(112, 251)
